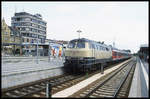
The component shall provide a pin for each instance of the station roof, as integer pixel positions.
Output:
(144, 45)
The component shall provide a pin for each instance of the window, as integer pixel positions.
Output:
(107, 49)
(76, 44)
(27, 19)
(5, 38)
(27, 40)
(22, 39)
(27, 29)
(93, 46)
(23, 29)
(90, 45)
(80, 44)
(30, 35)
(102, 48)
(12, 39)
(71, 44)
(32, 41)
(23, 34)
(5, 32)
(98, 47)
(18, 19)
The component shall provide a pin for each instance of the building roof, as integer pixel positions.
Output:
(38, 16)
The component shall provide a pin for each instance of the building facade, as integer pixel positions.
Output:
(5, 38)
(11, 39)
(15, 40)
(32, 28)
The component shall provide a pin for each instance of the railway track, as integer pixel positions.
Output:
(38, 89)
(116, 84)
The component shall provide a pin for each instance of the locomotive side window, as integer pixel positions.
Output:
(93, 46)
(90, 45)
(102, 48)
(98, 47)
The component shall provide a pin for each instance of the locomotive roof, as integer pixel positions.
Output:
(91, 41)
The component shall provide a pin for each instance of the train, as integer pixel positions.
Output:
(82, 55)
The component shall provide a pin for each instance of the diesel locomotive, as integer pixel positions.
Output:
(85, 55)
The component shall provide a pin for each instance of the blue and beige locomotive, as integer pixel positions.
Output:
(86, 55)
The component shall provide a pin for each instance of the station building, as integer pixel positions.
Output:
(144, 51)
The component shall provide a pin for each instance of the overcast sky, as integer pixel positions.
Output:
(125, 23)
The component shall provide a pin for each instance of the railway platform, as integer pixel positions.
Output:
(21, 70)
(140, 81)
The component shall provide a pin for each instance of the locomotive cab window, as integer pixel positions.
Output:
(76, 44)
(80, 44)
(71, 44)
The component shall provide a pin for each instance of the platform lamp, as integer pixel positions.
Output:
(79, 31)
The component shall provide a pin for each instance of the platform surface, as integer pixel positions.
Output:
(20, 70)
(140, 82)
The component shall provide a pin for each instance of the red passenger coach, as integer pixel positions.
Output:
(119, 54)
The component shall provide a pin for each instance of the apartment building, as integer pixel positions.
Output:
(32, 28)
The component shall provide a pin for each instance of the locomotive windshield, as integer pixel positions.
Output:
(71, 44)
(76, 44)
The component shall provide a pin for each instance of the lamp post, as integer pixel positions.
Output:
(37, 50)
(49, 51)
(79, 31)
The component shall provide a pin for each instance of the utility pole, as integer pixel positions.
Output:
(79, 31)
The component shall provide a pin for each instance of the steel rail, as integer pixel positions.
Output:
(118, 70)
(123, 80)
